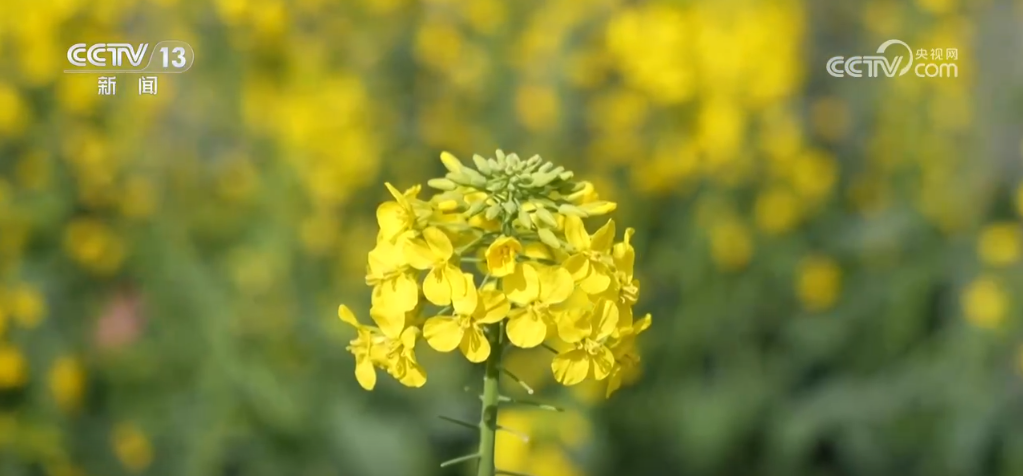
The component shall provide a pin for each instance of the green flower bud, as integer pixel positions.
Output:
(493, 212)
(546, 217)
(524, 219)
(459, 178)
(598, 208)
(482, 165)
(547, 237)
(568, 209)
(451, 162)
(442, 184)
(475, 208)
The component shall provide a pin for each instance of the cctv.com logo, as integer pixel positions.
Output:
(875, 66)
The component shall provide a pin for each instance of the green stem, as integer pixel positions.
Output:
(491, 398)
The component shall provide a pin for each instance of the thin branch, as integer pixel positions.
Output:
(458, 422)
(543, 406)
(519, 381)
(460, 459)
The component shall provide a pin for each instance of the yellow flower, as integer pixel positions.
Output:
(819, 283)
(13, 368)
(501, 256)
(362, 348)
(67, 383)
(512, 451)
(999, 244)
(588, 265)
(132, 447)
(397, 217)
(552, 459)
(624, 256)
(401, 360)
(465, 328)
(776, 210)
(588, 332)
(26, 306)
(542, 294)
(14, 113)
(624, 349)
(395, 291)
(813, 174)
(985, 303)
(93, 245)
(444, 282)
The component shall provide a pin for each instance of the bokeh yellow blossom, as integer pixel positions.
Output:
(132, 447)
(13, 367)
(819, 282)
(1000, 244)
(985, 303)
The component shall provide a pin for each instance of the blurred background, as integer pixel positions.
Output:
(833, 264)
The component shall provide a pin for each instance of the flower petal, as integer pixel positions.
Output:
(575, 233)
(419, 254)
(604, 238)
(347, 316)
(493, 306)
(390, 321)
(408, 338)
(624, 254)
(465, 303)
(390, 218)
(614, 382)
(403, 294)
(398, 196)
(500, 256)
(439, 243)
(365, 374)
(605, 319)
(578, 266)
(571, 367)
(526, 330)
(523, 286)
(414, 375)
(557, 285)
(642, 324)
(603, 362)
(437, 288)
(573, 325)
(597, 281)
(475, 345)
(443, 333)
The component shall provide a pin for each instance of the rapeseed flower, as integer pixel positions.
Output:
(518, 223)
(540, 294)
(588, 331)
(501, 255)
(464, 330)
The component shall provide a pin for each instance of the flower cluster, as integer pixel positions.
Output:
(499, 257)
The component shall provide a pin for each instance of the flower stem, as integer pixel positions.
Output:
(491, 397)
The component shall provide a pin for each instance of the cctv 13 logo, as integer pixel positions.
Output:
(169, 56)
